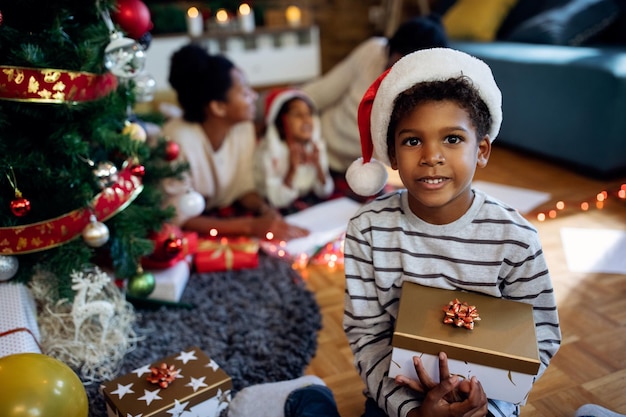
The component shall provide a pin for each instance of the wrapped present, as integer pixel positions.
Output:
(185, 383)
(490, 338)
(19, 332)
(171, 245)
(225, 254)
(170, 283)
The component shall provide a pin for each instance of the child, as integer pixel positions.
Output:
(291, 162)
(432, 117)
(216, 137)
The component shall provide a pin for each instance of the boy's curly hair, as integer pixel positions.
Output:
(198, 79)
(459, 90)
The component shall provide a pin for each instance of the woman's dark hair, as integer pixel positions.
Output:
(198, 79)
(420, 32)
(459, 90)
(279, 120)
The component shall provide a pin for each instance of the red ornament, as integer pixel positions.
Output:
(133, 16)
(173, 246)
(138, 170)
(0, 17)
(172, 150)
(20, 206)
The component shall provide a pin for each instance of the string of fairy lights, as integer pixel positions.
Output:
(598, 202)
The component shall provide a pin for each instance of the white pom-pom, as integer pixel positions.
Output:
(366, 179)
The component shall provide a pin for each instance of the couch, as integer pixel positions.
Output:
(561, 67)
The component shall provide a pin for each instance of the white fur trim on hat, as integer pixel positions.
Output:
(435, 64)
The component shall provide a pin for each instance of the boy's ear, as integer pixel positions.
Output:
(217, 107)
(393, 162)
(484, 150)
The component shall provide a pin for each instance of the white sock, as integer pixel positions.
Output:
(267, 400)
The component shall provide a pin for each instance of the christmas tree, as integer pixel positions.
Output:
(78, 179)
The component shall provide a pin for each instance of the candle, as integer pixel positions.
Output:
(293, 14)
(221, 16)
(246, 18)
(195, 26)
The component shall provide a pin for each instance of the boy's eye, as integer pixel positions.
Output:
(453, 139)
(411, 141)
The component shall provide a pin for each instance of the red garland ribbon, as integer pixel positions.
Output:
(23, 329)
(45, 85)
(47, 234)
(163, 375)
(460, 314)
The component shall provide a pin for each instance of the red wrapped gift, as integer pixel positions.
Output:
(171, 245)
(224, 254)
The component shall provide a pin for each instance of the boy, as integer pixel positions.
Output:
(433, 117)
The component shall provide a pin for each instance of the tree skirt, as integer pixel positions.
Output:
(260, 325)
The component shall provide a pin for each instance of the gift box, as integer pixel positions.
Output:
(501, 349)
(19, 332)
(185, 383)
(170, 283)
(226, 254)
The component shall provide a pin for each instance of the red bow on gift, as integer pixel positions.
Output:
(163, 375)
(460, 314)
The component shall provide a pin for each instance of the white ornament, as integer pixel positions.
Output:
(84, 306)
(8, 267)
(124, 57)
(190, 204)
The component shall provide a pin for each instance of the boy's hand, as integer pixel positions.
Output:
(450, 397)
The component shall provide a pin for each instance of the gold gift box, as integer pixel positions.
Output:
(501, 350)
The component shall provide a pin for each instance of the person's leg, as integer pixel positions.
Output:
(267, 400)
(311, 401)
(593, 410)
(372, 409)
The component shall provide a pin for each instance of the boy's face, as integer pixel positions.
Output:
(436, 155)
(298, 121)
(240, 99)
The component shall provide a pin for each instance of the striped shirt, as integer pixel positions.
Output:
(491, 249)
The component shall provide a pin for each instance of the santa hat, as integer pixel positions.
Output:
(367, 175)
(274, 102)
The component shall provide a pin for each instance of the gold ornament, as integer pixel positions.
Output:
(135, 131)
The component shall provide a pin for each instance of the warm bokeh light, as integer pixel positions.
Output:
(213, 232)
(599, 205)
(193, 12)
(584, 206)
(269, 236)
(552, 214)
(560, 205)
(621, 193)
(293, 14)
(541, 217)
(221, 16)
(244, 9)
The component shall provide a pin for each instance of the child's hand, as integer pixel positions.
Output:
(279, 228)
(450, 397)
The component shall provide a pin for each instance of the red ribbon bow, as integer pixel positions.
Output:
(163, 375)
(460, 314)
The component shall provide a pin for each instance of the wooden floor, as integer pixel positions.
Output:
(590, 367)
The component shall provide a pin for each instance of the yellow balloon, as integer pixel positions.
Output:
(37, 385)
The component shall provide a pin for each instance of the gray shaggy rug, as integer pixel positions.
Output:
(260, 325)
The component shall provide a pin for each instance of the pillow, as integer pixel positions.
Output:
(570, 24)
(476, 20)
